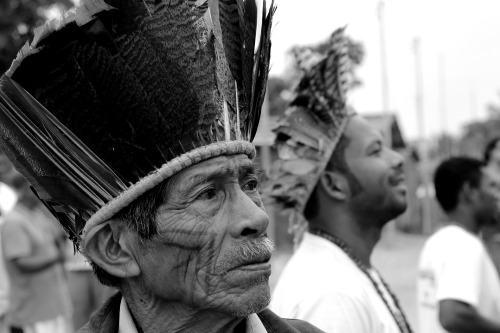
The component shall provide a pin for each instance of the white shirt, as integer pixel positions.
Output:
(8, 199)
(454, 264)
(126, 323)
(322, 285)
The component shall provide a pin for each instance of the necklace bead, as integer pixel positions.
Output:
(392, 303)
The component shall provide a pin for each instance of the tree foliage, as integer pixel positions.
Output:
(18, 18)
(477, 134)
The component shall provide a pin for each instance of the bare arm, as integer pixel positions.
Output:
(38, 262)
(460, 317)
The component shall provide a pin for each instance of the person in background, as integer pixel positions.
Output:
(458, 288)
(336, 170)
(491, 233)
(87, 294)
(492, 155)
(33, 251)
(8, 199)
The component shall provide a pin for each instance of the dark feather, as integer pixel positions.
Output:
(52, 157)
(126, 86)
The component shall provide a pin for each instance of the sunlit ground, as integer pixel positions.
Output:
(396, 257)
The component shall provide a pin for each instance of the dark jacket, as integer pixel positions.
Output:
(105, 320)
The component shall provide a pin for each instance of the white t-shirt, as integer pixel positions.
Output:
(322, 285)
(454, 264)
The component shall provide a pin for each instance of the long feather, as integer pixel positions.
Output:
(124, 89)
(261, 70)
(57, 156)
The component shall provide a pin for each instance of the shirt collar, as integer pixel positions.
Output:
(127, 325)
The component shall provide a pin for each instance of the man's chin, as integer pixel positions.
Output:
(398, 207)
(400, 203)
(254, 301)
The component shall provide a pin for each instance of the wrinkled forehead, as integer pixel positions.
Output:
(232, 166)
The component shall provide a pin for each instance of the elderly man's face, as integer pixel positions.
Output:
(212, 252)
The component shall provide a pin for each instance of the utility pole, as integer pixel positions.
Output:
(473, 104)
(390, 230)
(383, 57)
(419, 89)
(419, 97)
(446, 143)
(442, 94)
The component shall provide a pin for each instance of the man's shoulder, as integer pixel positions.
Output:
(274, 323)
(320, 256)
(13, 223)
(325, 269)
(15, 219)
(455, 237)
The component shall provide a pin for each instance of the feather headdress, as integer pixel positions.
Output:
(114, 97)
(309, 132)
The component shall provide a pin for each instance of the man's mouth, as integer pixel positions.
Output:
(397, 180)
(256, 263)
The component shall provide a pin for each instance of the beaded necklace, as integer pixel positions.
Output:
(390, 300)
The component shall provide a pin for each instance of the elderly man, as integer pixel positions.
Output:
(132, 121)
(336, 170)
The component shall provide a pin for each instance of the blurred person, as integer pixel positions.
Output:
(491, 233)
(335, 169)
(87, 293)
(492, 155)
(139, 141)
(32, 248)
(458, 288)
(8, 199)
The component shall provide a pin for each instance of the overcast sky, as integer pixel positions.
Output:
(459, 39)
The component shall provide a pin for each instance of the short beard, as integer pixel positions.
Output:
(258, 304)
(372, 214)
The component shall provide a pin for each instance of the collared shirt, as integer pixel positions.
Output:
(127, 325)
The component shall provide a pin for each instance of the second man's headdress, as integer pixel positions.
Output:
(310, 130)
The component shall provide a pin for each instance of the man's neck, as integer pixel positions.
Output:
(465, 219)
(154, 316)
(361, 239)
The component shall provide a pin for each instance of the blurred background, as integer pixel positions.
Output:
(428, 76)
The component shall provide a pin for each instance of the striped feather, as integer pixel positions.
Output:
(138, 83)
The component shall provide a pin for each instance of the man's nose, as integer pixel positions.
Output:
(397, 160)
(248, 218)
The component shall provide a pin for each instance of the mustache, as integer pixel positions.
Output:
(250, 251)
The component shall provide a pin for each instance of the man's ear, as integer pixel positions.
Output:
(335, 185)
(469, 193)
(111, 248)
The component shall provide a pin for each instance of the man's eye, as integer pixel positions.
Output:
(207, 194)
(377, 150)
(251, 186)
